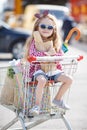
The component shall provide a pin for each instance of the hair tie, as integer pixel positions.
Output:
(43, 14)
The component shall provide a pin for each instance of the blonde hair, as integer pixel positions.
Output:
(55, 37)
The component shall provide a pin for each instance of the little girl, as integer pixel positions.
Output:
(45, 41)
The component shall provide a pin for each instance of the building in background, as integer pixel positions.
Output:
(78, 9)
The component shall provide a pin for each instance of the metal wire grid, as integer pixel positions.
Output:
(26, 94)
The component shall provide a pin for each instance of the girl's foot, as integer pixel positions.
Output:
(61, 104)
(35, 110)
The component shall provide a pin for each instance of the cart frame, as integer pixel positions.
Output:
(72, 62)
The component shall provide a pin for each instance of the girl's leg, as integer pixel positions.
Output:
(66, 82)
(39, 90)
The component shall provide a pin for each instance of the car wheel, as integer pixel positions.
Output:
(17, 49)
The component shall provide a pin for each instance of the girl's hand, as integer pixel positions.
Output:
(50, 52)
(46, 53)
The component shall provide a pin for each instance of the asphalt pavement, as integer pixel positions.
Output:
(77, 115)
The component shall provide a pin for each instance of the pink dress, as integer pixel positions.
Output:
(36, 66)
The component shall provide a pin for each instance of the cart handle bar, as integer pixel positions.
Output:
(53, 58)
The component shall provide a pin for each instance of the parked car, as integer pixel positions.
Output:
(83, 29)
(12, 40)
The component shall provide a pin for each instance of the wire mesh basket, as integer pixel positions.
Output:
(21, 90)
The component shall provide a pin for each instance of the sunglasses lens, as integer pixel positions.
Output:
(50, 27)
(42, 26)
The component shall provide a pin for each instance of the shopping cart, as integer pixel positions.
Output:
(25, 91)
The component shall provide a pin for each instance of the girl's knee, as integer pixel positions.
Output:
(41, 79)
(65, 79)
(69, 80)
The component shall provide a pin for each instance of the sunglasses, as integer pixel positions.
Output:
(43, 26)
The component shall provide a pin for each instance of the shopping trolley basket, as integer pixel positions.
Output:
(17, 77)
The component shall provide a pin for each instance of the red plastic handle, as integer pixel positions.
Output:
(31, 58)
(80, 58)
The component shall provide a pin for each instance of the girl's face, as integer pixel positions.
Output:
(46, 27)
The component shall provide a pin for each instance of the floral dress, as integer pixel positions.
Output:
(36, 66)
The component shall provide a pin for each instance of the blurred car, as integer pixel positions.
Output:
(12, 40)
(58, 11)
(83, 29)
